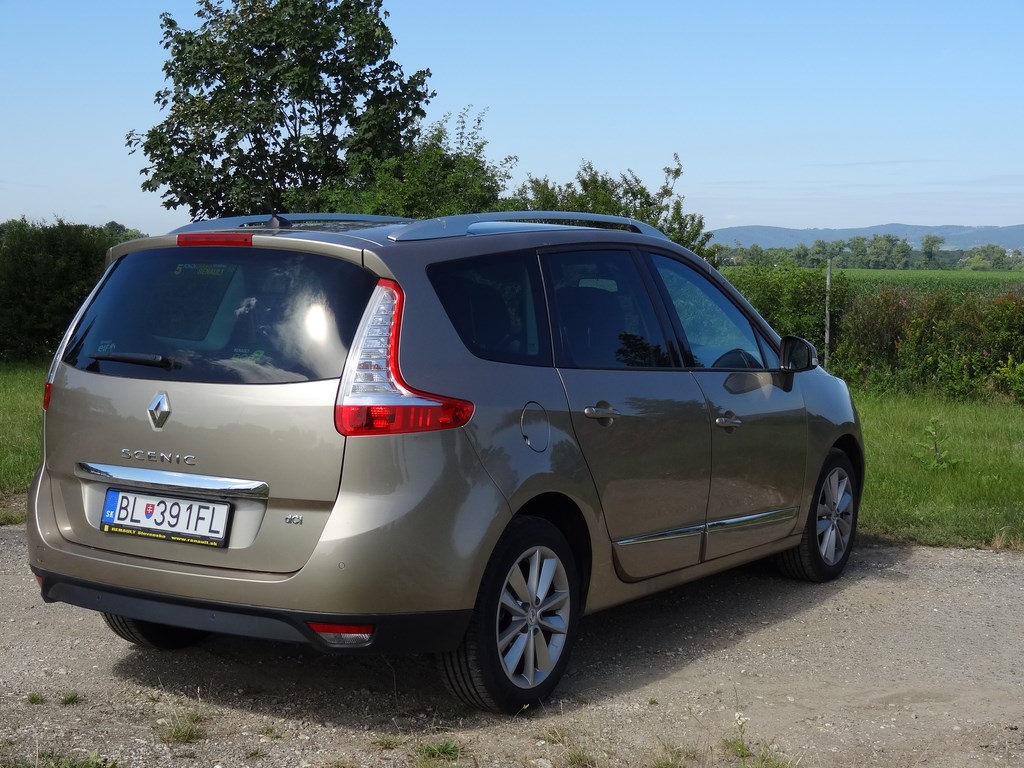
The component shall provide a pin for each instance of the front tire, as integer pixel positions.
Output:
(149, 634)
(524, 623)
(831, 524)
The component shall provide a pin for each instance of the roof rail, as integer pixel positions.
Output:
(455, 226)
(277, 221)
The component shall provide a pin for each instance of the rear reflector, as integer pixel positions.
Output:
(214, 238)
(47, 389)
(343, 634)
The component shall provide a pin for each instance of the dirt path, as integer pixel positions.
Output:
(914, 658)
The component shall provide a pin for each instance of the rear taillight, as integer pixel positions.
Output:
(373, 398)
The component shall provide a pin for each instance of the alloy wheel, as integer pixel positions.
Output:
(835, 516)
(533, 617)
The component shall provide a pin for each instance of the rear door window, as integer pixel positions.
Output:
(602, 311)
(222, 315)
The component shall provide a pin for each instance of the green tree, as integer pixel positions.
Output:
(800, 255)
(930, 245)
(757, 256)
(887, 252)
(822, 251)
(594, 191)
(444, 173)
(272, 95)
(857, 258)
(989, 257)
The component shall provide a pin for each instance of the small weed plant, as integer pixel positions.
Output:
(555, 735)
(738, 744)
(670, 756)
(933, 452)
(447, 751)
(580, 758)
(388, 741)
(743, 750)
(270, 732)
(184, 729)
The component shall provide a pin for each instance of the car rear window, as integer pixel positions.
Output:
(222, 315)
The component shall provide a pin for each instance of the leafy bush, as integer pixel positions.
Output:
(1009, 378)
(963, 345)
(870, 333)
(938, 348)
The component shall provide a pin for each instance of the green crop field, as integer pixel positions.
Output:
(926, 280)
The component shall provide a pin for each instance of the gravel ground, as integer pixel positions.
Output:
(913, 658)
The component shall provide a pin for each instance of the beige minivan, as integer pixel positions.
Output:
(453, 436)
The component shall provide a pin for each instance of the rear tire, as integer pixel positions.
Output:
(152, 635)
(831, 524)
(524, 623)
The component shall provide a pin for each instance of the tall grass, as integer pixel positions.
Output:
(21, 417)
(943, 473)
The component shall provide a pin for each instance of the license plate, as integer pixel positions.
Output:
(164, 517)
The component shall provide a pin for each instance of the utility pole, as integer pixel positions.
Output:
(828, 309)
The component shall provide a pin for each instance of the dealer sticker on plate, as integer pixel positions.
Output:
(164, 517)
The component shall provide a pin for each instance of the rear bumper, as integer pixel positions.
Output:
(428, 632)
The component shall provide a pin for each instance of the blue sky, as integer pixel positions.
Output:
(785, 113)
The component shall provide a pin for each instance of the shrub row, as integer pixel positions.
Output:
(963, 344)
(46, 271)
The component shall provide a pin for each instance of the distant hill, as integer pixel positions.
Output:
(956, 237)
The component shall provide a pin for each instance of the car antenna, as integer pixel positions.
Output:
(279, 222)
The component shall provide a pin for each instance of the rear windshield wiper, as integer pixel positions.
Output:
(139, 358)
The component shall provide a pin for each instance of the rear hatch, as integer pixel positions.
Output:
(191, 414)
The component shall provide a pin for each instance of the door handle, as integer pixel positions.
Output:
(728, 422)
(598, 412)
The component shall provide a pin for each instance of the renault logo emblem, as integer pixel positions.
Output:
(159, 410)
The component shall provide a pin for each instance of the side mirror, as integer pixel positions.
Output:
(797, 355)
